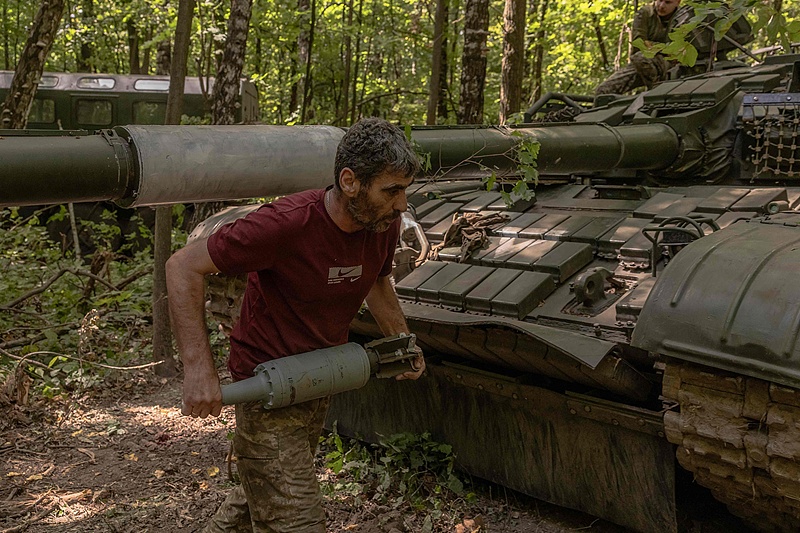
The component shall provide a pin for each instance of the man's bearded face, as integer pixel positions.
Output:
(373, 214)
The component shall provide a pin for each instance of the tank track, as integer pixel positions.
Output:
(740, 437)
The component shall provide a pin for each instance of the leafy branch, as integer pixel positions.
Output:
(526, 156)
(522, 157)
(719, 18)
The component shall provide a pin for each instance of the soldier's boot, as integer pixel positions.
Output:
(233, 516)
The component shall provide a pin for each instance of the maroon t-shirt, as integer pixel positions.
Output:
(307, 278)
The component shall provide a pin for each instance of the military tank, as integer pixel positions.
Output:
(640, 308)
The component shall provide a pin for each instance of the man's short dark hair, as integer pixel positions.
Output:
(373, 146)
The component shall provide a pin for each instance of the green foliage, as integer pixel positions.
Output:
(720, 17)
(76, 321)
(678, 49)
(388, 44)
(424, 156)
(195, 121)
(526, 154)
(403, 469)
(106, 232)
(572, 61)
(385, 43)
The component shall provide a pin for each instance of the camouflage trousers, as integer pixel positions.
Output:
(275, 452)
(640, 72)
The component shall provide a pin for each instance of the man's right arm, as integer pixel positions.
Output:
(186, 271)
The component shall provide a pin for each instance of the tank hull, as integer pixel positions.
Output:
(541, 443)
(556, 385)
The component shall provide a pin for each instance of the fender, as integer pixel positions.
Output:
(731, 300)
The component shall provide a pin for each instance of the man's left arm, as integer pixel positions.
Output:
(385, 308)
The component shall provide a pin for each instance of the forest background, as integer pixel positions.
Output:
(74, 325)
(333, 61)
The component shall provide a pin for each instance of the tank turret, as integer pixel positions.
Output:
(639, 308)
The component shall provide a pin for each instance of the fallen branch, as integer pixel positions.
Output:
(38, 290)
(133, 277)
(43, 287)
(25, 357)
(61, 326)
(58, 500)
(21, 342)
(27, 523)
(74, 496)
(81, 272)
(24, 312)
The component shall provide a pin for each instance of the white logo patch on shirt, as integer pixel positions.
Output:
(339, 274)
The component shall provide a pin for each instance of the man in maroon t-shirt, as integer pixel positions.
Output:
(312, 258)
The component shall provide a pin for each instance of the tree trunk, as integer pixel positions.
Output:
(218, 46)
(365, 77)
(29, 70)
(16, 33)
(177, 70)
(348, 61)
(133, 48)
(145, 65)
(225, 96)
(357, 63)
(533, 10)
(513, 59)
(84, 62)
(6, 44)
(299, 62)
(445, 99)
(435, 84)
(307, 90)
(226, 86)
(600, 42)
(163, 58)
(162, 245)
(538, 54)
(473, 62)
(455, 31)
(162, 336)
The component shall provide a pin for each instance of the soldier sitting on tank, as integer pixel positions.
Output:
(312, 258)
(652, 24)
(708, 49)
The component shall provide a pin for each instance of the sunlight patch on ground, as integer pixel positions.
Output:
(162, 417)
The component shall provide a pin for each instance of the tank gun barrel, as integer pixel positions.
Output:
(152, 165)
(458, 150)
(45, 168)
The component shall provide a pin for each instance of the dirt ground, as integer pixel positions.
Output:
(124, 460)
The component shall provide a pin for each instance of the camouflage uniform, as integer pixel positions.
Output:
(642, 71)
(275, 458)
